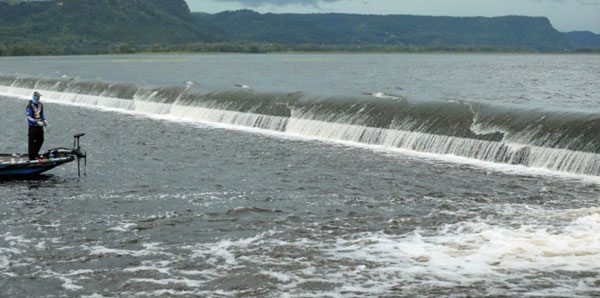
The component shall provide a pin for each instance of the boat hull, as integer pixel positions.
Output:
(20, 165)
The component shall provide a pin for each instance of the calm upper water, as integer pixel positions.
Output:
(559, 81)
(205, 193)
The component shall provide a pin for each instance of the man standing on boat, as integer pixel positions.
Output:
(36, 121)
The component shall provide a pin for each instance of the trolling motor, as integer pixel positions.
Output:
(80, 154)
(76, 152)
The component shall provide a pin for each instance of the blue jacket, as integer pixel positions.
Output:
(35, 113)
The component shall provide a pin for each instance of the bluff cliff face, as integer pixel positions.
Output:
(502, 32)
(91, 26)
(102, 21)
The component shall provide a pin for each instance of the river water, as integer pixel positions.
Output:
(306, 175)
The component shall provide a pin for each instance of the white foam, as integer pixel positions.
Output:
(68, 280)
(209, 115)
(191, 272)
(218, 253)
(12, 250)
(498, 257)
(279, 276)
(168, 281)
(16, 240)
(123, 227)
(148, 250)
(79, 272)
(94, 295)
(41, 245)
(151, 265)
(182, 293)
(16, 245)
(469, 252)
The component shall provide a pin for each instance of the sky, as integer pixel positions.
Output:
(565, 15)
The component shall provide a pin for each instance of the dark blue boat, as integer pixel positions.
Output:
(19, 165)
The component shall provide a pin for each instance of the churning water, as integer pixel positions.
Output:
(307, 175)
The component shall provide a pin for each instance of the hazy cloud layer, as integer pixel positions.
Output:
(583, 2)
(257, 3)
(315, 3)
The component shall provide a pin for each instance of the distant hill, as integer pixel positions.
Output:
(348, 29)
(584, 39)
(89, 23)
(102, 26)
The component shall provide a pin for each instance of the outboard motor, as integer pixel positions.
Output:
(79, 153)
(76, 151)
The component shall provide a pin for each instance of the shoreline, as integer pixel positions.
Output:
(591, 53)
(31, 49)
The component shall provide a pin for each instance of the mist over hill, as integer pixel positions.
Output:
(103, 26)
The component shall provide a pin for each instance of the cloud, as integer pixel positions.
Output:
(582, 2)
(257, 3)
(589, 2)
(315, 3)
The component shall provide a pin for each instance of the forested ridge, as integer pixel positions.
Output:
(124, 26)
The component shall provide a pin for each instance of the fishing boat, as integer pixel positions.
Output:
(19, 165)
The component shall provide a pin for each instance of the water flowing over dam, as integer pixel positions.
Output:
(558, 141)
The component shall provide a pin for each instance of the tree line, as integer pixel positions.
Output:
(42, 49)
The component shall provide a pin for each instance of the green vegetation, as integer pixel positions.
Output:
(97, 26)
(250, 47)
(66, 27)
(509, 32)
